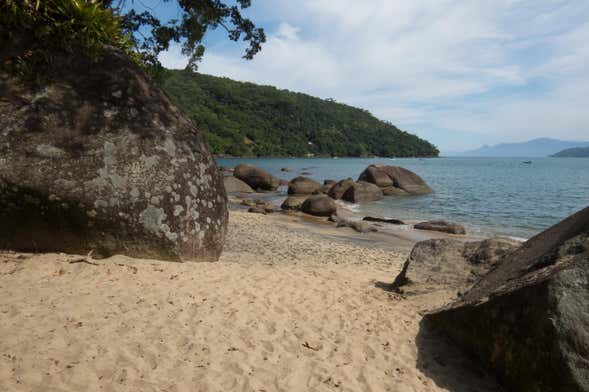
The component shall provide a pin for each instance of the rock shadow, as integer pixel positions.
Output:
(447, 366)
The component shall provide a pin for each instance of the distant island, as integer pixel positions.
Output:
(542, 147)
(245, 119)
(575, 152)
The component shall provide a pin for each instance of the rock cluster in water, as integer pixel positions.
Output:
(375, 182)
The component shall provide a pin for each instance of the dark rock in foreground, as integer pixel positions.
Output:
(98, 159)
(319, 205)
(442, 226)
(235, 185)
(302, 186)
(255, 177)
(362, 192)
(395, 179)
(527, 320)
(451, 264)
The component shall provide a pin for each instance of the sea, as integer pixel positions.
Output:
(517, 197)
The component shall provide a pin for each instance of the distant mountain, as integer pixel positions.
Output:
(245, 119)
(533, 148)
(575, 152)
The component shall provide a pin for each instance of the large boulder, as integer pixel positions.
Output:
(338, 189)
(255, 177)
(362, 192)
(441, 226)
(293, 203)
(527, 319)
(302, 186)
(319, 205)
(95, 158)
(451, 264)
(235, 185)
(395, 179)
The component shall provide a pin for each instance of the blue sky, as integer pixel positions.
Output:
(458, 73)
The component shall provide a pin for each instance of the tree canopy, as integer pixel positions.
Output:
(32, 31)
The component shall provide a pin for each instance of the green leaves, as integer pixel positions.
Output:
(39, 30)
(86, 26)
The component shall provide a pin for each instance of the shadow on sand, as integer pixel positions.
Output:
(447, 366)
(442, 362)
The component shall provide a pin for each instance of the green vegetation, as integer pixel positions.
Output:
(35, 32)
(245, 119)
(576, 152)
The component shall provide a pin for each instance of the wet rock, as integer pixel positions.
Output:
(256, 177)
(451, 264)
(338, 189)
(362, 192)
(319, 205)
(285, 169)
(293, 203)
(235, 185)
(394, 191)
(302, 186)
(442, 226)
(257, 210)
(98, 159)
(248, 202)
(383, 220)
(360, 227)
(397, 180)
(527, 320)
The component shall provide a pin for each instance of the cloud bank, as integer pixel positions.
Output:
(459, 73)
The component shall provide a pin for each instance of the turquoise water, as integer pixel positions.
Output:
(487, 195)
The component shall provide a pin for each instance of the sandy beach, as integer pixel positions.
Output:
(289, 307)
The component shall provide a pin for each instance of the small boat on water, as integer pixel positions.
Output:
(527, 162)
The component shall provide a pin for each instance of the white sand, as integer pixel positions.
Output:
(288, 308)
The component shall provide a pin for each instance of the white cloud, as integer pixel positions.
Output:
(498, 70)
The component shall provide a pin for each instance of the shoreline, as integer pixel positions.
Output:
(390, 236)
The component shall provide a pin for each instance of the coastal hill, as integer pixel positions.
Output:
(575, 152)
(245, 119)
(542, 147)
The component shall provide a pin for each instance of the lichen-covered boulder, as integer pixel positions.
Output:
(527, 319)
(235, 185)
(255, 177)
(302, 186)
(319, 205)
(98, 159)
(396, 180)
(362, 192)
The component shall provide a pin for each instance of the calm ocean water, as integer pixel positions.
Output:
(487, 195)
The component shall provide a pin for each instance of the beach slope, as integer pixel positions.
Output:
(288, 308)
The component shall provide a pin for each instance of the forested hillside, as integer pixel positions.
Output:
(245, 119)
(576, 152)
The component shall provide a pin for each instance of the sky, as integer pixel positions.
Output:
(457, 73)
